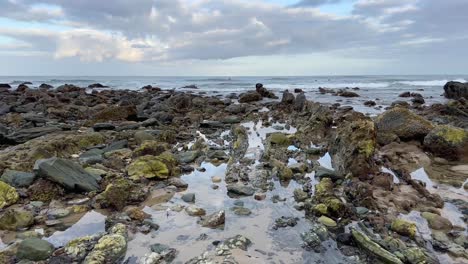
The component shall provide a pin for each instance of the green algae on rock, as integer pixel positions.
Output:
(404, 123)
(437, 222)
(13, 219)
(153, 167)
(373, 248)
(404, 227)
(34, 249)
(110, 248)
(448, 142)
(8, 195)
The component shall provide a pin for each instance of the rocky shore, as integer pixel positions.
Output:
(94, 175)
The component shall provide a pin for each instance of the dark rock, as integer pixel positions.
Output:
(97, 85)
(263, 91)
(45, 86)
(4, 86)
(211, 124)
(249, 97)
(345, 93)
(192, 86)
(285, 221)
(103, 126)
(288, 98)
(27, 134)
(405, 94)
(369, 103)
(92, 156)
(299, 102)
(214, 220)
(167, 254)
(403, 123)
(18, 178)
(456, 90)
(121, 144)
(297, 90)
(34, 249)
(418, 100)
(236, 108)
(66, 173)
(448, 142)
(240, 189)
(188, 197)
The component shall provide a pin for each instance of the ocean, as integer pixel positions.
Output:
(382, 89)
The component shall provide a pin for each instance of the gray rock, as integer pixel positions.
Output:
(322, 172)
(288, 98)
(165, 252)
(248, 97)
(92, 156)
(177, 182)
(239, 210)
(27, 134)
(188, 197)
(456, 90)
(34, 249)
(18, 178)
(213, 220)
(188, 156)
(66, 173)
(121, 144)
(240, 189)
(299, 102)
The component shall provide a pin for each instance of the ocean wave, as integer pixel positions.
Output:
(430, 83)
(330, 85)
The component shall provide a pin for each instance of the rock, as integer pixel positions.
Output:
(216, 179)
(103, 126)
(405, 94)
(177, 182)
(13, 219)
(448, 142)
(58, 213)
(152, 167)
(418, 100)
(214, 220)
(118, 194)
(298, 90)
(5, 86)
(97, 85)
(285, 221)
(240, 189)
(415, 255)
(321, 209)
(260, 196)
(92, 156)
(114, 113)
(249, 97)
(18, 178)
(279, 139)
(44, 191)
(404, 228)
(34, 249)
(345, 93)
(66, 173)
(240, 210)
(237, 241)
(405, 124)
(188, 156)
(264, 92)
(322, 172)
(8, 195)
(299, 102)
(137, 214)
(383, 180)
(27, 134)
(288, 98)
(373, 248)
(437, 222)
(193, 210)
(326, 221)
(456, 90)
(110, 248)
(188, 197)
(370, 103)
(165, 252)
(151, 147)
(300, 195)
(236, 108)
(45, 86)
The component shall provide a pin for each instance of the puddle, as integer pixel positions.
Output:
(386, 170)
(326, 161)
(421, 224)
(91, 223)
(422, 176)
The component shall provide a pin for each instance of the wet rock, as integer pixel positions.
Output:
(288, 98)
(34, 249)
(78, 248)
(58, 213)
(18, 178)
(8, 195)
(299, 102)
(236, 108)
(240, 210)
(326, 221)
(45, 86)
(188, 197)
(110, 248)
(448, 142)
(66, 173)
(404, 227)
(414, 255)
(313, 238)
(370, 103)
(418, 100)
(240, 189)
(188, 156)
(264, 92)
(353, 147)
(238, 241)
(373, 248)
(91, 156)
(27, 134)
(114, 113)
(118, 194)
(13, 219)
(138, 214)
(300, 195)
(214, 220)
(152, 167)
(285, 221)
(165, 252)
(322, 172)
(456, 90)
(249, 97)
(405, 94)
(383, 180)
(437, 222)
(216, 179)
(178, 182)
(403, 123)
(193, 210)
(346, 93)
(97, 85)
(393, 244)
(5, 86)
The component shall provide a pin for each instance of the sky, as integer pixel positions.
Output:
(233, 37)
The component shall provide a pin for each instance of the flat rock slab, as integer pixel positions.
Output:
(67, 173)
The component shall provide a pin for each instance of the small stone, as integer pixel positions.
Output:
(260, 196)
(34, 249)
(327, 221)
(193, 210)
(188, 197)
(213, 220)
(216, 179)
(239, 210)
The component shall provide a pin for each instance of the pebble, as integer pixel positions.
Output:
(260, 196)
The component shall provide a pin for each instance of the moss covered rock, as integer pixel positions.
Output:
(34, 249)
(150, 147)
(114, 113)
(437, 222)
(279, 139)
(110, 248)
(374, 249)
(153, 167)
(326, 221)
(448, 142)
(8, 195)
(324, 188)
(404, 227)
(13, 219)
(404, 123)
(44, 191)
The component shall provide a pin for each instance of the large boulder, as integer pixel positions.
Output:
(353, 147)
(447, 142)
(403, 123)
(153, 167)
(437, 222)
(8, 195)
(288, 98)
(249, 97)
(456, 90)
(34, 249)
(68, 174)
(264, 92)
(114, 113)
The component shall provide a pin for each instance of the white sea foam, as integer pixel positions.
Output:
(430, 83)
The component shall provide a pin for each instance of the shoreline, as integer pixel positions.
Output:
(164, 163)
